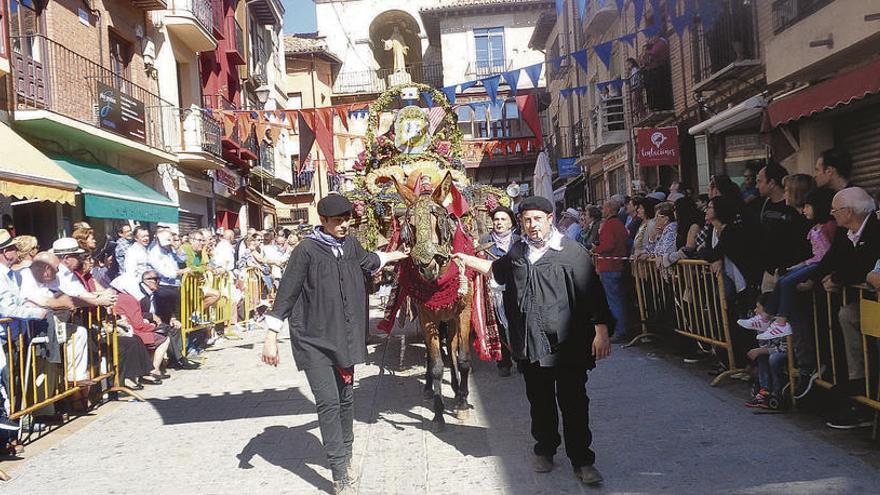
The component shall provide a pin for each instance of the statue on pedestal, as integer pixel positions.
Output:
(397, 46)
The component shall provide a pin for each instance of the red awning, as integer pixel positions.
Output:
(828, 95)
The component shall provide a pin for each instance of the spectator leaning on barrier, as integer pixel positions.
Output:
(27, 249)
(163, 259)
(633, 221)
(641, 243)
(610, 265)
(853, 254)
(783, 230)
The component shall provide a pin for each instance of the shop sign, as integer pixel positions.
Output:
(121, 114)
(657, 146)
(226, 182)
(616, 158)
(743, 147)
(568, 167)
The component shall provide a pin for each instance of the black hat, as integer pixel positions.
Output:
(503, 209)
(536, 203)
(334, 205)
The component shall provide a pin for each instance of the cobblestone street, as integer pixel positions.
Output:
(237, 426)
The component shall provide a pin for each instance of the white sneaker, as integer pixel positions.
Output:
(776, 331)
(757, 323)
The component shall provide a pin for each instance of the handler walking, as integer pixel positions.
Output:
(322, 293)
(559, 313)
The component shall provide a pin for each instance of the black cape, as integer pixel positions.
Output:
(556, 302)
(325, 299)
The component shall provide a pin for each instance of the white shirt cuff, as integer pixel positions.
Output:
(383, 259)
(274, 324)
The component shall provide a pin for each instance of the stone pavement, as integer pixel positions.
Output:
(238, 426)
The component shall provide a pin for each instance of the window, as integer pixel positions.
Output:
(294, 101)
(465, 118)
(486, 121)
(489, 44)
(120, 58)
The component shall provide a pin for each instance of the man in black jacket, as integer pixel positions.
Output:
(560, 314)
(322, 293)
(853, 254)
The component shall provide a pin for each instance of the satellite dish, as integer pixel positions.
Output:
(513, 190)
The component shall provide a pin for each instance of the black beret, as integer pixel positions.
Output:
(505, 210)
(536, 203)
(334, 205)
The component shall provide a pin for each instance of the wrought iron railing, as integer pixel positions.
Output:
(650, 92)
(608, 116)
(335, 181)
(201, 131)
(579, 146)
(267, 158)
(731, 37)
(487, 69)
(376, 81)
(789, 12)
(303, 182)
(219, 102)
(202, 10)
(57, 79)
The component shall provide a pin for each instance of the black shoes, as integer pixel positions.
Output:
(184, 364)
(588, 475)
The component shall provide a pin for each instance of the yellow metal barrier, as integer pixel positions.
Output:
(253, 290)
(652, 294)
(33, 383)
(195, 312)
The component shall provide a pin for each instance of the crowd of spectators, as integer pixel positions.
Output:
(775, 239)
(53, 295)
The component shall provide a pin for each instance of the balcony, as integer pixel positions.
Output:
(729, 49)
(267, 12)
(218, 19)
(192, 21)
(376, 81)
(265, 167)
(607, 125)
(200, 143)
(150, 4)
(787, 13)
(63, 94)
(239, 144)
(650, 96)
(235, 42)
(599, 18)
(487, 69)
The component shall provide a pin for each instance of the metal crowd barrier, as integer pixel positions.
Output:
(195, 314)
(652, 294)
(253, 290)
(33, 383)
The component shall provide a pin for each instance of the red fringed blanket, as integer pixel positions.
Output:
(443, 293)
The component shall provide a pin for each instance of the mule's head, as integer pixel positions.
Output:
(427, 228)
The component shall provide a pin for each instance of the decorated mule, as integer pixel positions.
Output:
(414, 168)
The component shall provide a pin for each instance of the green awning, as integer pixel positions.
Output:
(109, 193)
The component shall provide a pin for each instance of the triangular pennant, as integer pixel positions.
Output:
(528, 110)
(581, 90)
(467, 85)
(680, 24)
(656, 10)
(602, 86)
(275, 133)
(426, 95)
(449, 91)
(343, 116)
(709, 11)
(620, 6)
(306, 139)
(582, 7)
(491, 85)
(617, 84)
(652, 30)
(534, 73)
(629, 39)
(324, 136)
(639, 6)
(560, 6)
(580, 57)
(557, 62)
(512, 79)
(565, 92)
(603, 51)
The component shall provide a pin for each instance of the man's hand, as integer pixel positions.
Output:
(829, 284)
(754, 353)
(393, 256)
(874, 279)
(601, 344)
(270, 349)
(106, 299)
(805, 286)
(174, 322)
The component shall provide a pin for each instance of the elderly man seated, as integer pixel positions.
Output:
(852, 256)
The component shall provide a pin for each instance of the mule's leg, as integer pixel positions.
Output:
(435, 363)
(462, 340)
(428, 391)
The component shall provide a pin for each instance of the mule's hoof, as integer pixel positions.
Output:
(463, 414)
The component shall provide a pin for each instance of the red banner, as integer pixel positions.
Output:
(657, 146)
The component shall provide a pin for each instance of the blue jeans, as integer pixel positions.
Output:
(784, 297)
(614, 292)
(771, 371)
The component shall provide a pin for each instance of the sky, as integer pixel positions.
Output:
(299, 16)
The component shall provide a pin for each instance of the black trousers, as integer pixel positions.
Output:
(334, 400)
(565, 387)
(167, 302)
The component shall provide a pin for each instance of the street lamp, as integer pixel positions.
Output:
(262, 94)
